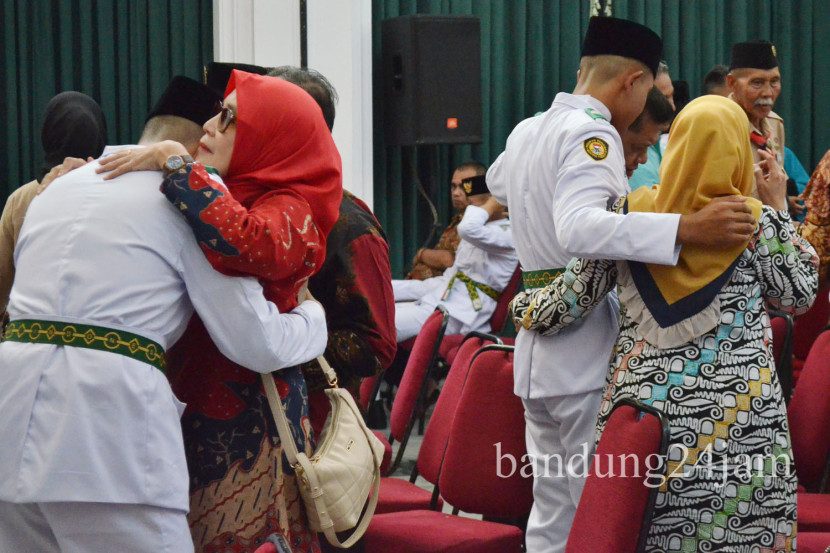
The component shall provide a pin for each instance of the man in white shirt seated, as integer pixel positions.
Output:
(471, 287)
(108, 275)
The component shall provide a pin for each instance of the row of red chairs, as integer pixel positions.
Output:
(801, 349)
(792, 339)
(476, 408)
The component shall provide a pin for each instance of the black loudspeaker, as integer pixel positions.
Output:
(432, 79)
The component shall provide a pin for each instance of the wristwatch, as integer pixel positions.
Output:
(174, 163)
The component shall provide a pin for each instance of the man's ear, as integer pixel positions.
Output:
(730, 81)
(631, 77)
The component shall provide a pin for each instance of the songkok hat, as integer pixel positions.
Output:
(186, 98)
(608, 36)
(475, 185)
(217, 74)
(756, 54)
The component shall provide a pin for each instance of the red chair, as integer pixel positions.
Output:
(412, 389)
(499, 318)
(806, 329)
(397, 494)
(809, 416)
(614, 513)
(782, 350)
(813, 513)
(451, 342)
(812, 542)
(472, 476)
(367, 389)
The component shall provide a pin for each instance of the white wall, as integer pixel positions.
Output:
(267, 33)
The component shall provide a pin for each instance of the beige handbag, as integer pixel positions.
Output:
(344, 469)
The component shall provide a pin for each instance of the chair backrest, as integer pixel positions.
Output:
(782, 350)
(367, 388)
(808, 326)
(809, 415)
(421, 359)
(499, 316)
(437, 434)
(614, 511)
(487, 433)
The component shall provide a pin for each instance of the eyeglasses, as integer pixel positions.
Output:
(226, 116)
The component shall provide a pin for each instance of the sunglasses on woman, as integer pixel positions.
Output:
(226, 116)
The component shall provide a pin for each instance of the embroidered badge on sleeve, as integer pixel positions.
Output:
(596, 147)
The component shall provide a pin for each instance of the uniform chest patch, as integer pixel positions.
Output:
(596, 147)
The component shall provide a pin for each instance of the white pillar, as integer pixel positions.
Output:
(267, 33)
(259, 32)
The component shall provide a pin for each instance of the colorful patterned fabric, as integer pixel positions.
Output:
(273, 238)
(720, 393)
(88, 336)
(473, 286)
(354, 285)
(449, 241)
(241, 488)
(816, 227)
(284, 186)
(539, 279)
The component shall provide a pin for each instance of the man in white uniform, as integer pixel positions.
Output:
(557, 175)
(108, 275)
(470, 288)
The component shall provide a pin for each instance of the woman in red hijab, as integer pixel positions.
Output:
(280, 198)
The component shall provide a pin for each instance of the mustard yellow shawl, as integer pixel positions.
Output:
(708, 155)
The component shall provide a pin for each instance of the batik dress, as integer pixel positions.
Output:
(242, 487)
(731, 484)
(816, 227)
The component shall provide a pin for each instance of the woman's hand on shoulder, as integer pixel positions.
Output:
(150, 158)
(68, 164)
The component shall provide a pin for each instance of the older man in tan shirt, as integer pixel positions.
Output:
(754, 82)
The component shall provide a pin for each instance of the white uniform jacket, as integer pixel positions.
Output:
(93, 426)
(486, 254)
(557, 175)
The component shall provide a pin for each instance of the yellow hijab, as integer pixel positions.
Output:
(708, 155)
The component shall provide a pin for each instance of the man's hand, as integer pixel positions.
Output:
(771, 181)
(795, 205)
(725, 221)
(305, 295)
(492, 205)
(68, 164)
(435, 259)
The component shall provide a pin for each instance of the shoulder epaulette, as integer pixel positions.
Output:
(594, 114)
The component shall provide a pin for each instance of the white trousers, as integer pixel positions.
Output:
(560, 435)
(69, 527)
(410, 316)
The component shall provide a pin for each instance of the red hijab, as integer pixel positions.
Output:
(283, 144)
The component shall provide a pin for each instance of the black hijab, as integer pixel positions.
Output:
(73, 126)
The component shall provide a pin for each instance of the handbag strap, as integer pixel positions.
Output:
(331, 376)
(286, 438)
(291, 453)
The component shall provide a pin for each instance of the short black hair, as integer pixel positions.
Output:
(657, 108)
(477, 166)
(312, 82)
(715, 78)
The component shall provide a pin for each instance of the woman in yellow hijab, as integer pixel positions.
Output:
(695, 343)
